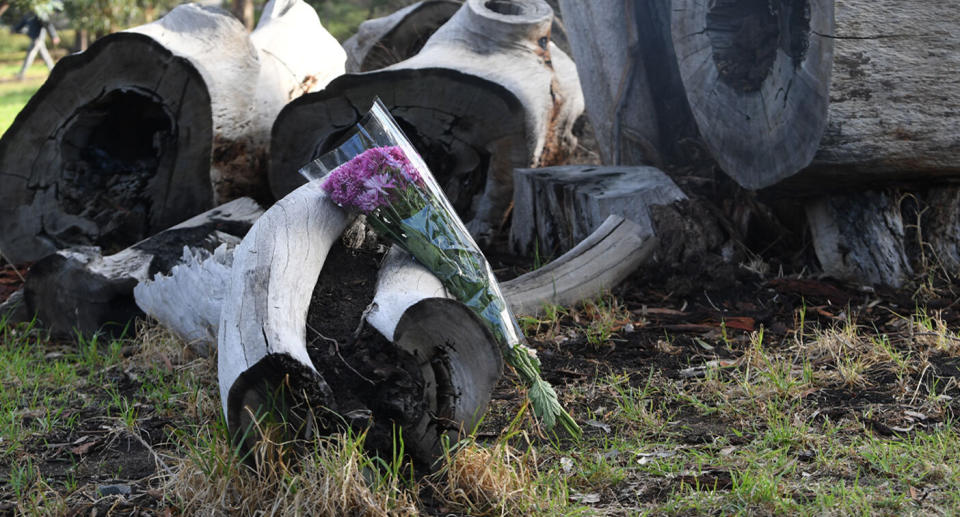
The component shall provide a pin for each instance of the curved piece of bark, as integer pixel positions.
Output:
(893, 115)
(747, 78)
(145, 119)
(381, 42)
(188, 299)
(262, 330)
(487, 93)
(80, 290)
(601, 261)
(457, 355)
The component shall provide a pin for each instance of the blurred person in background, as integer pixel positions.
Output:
(37, 27)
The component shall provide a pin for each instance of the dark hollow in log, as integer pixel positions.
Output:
(381, 42)
(89, 163)
(746, 80)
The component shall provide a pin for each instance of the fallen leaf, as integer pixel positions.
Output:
(82, 449)
(566, 464)
(914, 414)
(599, 425)
(590, 498)
(646, 457)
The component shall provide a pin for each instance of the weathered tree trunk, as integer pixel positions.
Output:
(557, 207)
(80, 290)
(381, 42)
(487, 93)
(146, 120)
(894, 99)
(747, 79)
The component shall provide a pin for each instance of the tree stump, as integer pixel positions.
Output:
(555, 208)
(487, 93)
(124, 139)
(746, 79)
(80, 290)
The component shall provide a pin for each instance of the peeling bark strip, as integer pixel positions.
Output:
(124, 140)
(747, 79)
(487, 93)
(894, 99)
(80, 290)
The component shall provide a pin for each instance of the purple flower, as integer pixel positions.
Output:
(363, 182)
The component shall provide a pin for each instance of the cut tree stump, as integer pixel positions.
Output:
(554, 208)
(80, 290)
(381, 42)
(488, 92)
(747, 79)
(163, 121)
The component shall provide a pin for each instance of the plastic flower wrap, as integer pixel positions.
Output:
(377, 172)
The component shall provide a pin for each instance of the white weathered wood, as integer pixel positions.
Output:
(488, 92)
(188, 300)
(554, 208)
(380, 42)
(79, 289)
(600, 262)
(859, 237)
(262, 330)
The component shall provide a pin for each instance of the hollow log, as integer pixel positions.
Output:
(146, 120)
(747, 80)
(81, 290)
(557, 207)
(893, 116)
(488, 92)
(381, 42)
(262, 329)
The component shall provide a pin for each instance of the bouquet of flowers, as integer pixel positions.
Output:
(378, 173)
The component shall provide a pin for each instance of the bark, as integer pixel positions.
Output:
(488, 92)
(598, 263)
(164, 120)
(745, 80)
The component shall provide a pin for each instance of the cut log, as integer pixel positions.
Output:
(381, 42)
(80, 290)
(13, 309)
(893, 113)
(611, 253)
(488, 92)
(557, 207)
(458, 357)
(145, 119)
(262, 337)
(746, 79)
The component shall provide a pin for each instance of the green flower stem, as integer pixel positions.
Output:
(542, 396)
